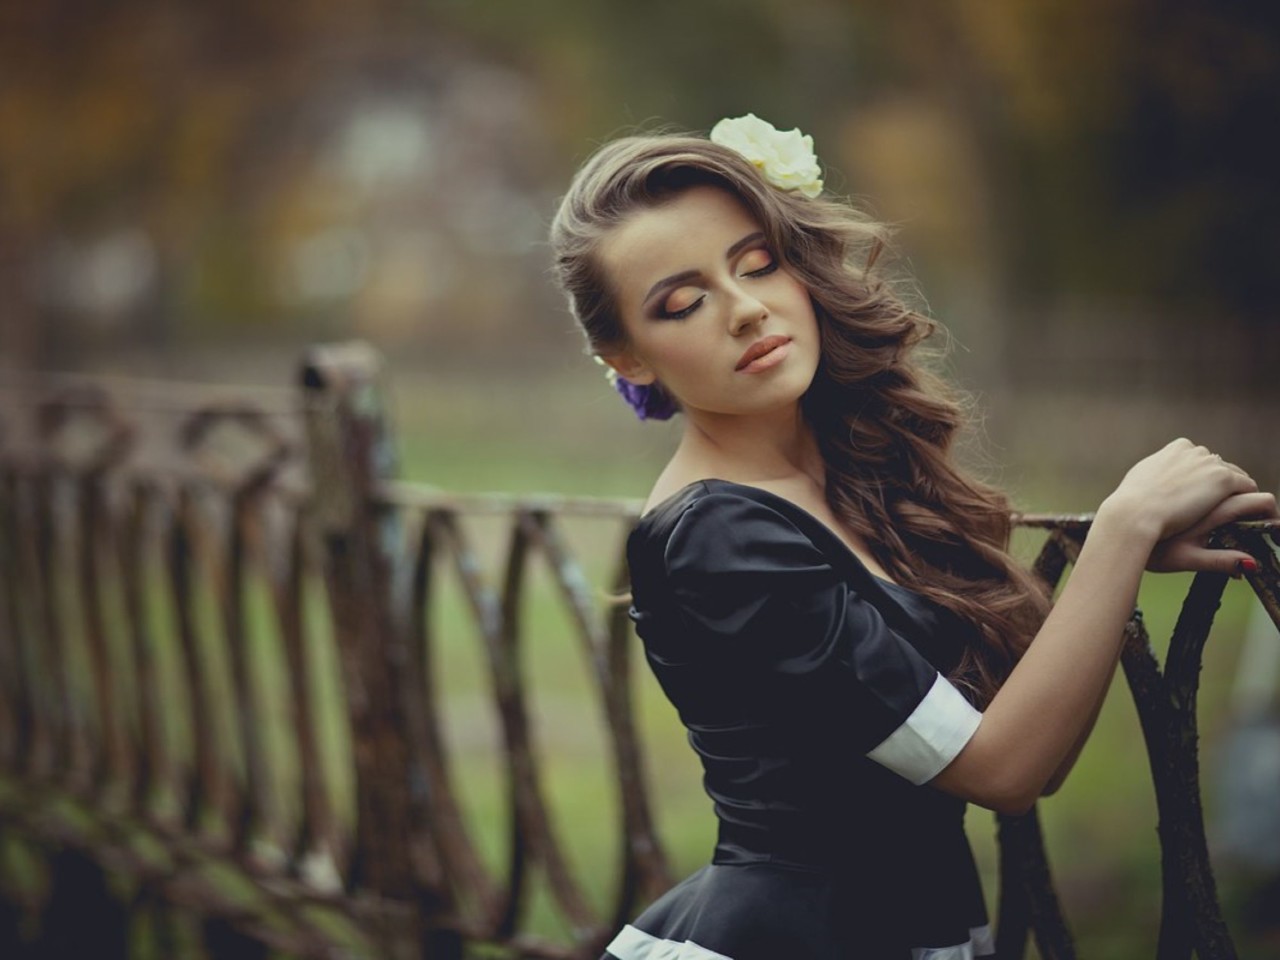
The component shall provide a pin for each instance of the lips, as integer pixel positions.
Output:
(760, 348)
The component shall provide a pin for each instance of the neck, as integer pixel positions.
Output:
(778, 445)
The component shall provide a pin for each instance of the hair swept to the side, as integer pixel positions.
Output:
(884, 422)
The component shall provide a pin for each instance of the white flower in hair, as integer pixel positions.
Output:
(786, 159)
(610, 374)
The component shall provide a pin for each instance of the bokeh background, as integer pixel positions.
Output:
(1085, 192)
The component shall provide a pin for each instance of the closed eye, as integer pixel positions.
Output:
(680, 314)
(757, 263)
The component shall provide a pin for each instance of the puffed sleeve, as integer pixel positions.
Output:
(753, 586)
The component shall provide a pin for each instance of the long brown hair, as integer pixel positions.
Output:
(884, 422)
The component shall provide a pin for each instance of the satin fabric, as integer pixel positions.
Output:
(788, 662)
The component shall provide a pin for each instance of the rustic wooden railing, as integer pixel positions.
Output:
(180, 569)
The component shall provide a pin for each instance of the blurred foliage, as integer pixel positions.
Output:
(1099, 149)
(1085, 190)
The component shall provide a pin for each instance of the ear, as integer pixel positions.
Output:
(630, 367)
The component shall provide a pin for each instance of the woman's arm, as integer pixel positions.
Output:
(1068, 762)
(1038, 715)
(1038, 718)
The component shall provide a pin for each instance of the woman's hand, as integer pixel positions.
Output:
(1180, 494)
(1188, 550)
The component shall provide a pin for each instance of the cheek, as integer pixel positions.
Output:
(801, 293)
(810, 309)
(794, 293)
(683, 364)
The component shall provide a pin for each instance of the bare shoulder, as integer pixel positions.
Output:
(679, 473)
(675, 479)
(667, 487)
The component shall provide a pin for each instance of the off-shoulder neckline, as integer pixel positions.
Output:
(760, 494)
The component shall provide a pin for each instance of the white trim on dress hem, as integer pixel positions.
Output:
(980, 944)
(939, 727)
(984, 940)
(632, 943)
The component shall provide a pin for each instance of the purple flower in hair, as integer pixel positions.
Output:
(649, 401)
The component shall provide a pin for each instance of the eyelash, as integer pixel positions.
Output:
(681, 314)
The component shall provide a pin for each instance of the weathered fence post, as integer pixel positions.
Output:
(351, 456)
(1190, 917)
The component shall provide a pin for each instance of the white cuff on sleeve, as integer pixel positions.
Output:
(930, 738)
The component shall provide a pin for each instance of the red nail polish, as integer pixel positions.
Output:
(1247, 565)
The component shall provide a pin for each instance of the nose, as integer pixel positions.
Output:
(746, 311)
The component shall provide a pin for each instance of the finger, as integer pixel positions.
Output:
(1239, 471)
(1261, 505)
(1257, 504)
(1216, 459)
(1189, 557)
(1238, 478)
(1233, 507)
(1241, 482)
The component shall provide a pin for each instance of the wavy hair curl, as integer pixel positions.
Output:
(884, 422)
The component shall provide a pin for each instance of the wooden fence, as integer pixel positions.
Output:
(178, 563)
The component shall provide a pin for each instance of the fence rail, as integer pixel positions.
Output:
(222, 709)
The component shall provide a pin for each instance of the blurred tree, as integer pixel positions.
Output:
(178, 124)
(1056, 151)
(142, 113)
(1125, 162)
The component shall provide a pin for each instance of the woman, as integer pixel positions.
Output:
(824, 595)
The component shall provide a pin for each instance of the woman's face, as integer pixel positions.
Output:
(709, 310)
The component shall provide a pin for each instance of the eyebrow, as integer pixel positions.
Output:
(675, 278)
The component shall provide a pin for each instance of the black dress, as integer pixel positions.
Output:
(813, 693)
